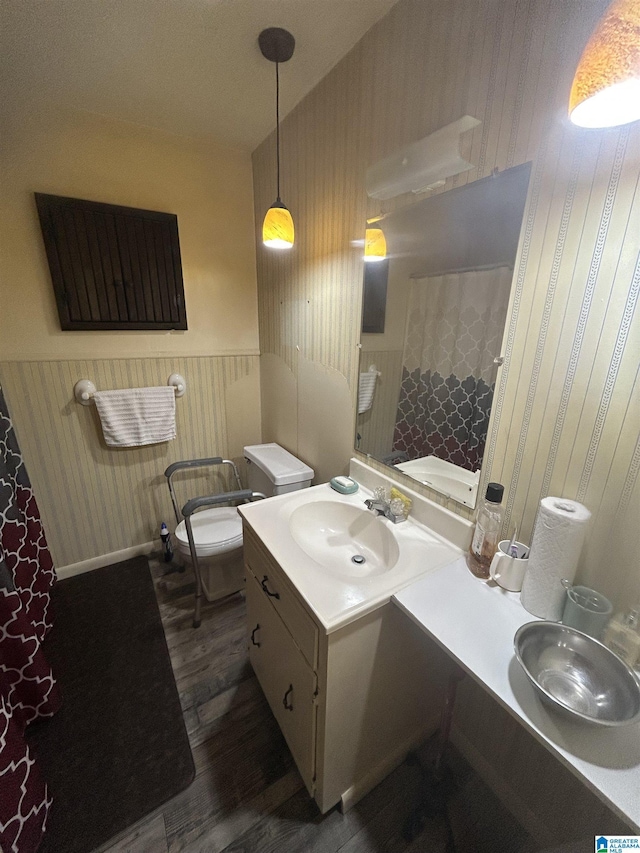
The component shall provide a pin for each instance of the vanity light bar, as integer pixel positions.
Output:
(423, 164)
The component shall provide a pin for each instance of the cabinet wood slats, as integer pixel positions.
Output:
(112, 267)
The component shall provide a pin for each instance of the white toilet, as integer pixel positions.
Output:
(217, 532)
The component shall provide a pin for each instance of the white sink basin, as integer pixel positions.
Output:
(346, 540)
(315, 533)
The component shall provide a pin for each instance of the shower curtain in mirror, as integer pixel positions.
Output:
(453, 333)
(27, 688)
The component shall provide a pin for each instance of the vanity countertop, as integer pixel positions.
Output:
(335, 599)
(475, 623)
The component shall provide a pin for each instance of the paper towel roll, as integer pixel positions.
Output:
(555, 550)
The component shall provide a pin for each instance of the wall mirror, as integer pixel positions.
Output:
(428, 372)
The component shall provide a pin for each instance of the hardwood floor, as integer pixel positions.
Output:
(247, 796)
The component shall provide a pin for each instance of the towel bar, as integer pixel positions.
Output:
(84, 389)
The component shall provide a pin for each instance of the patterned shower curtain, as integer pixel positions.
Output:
(453, 333)
(28, 690)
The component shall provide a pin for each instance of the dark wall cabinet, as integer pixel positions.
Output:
(374, 308)
(112, 267)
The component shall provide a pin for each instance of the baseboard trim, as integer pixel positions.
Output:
(504, 792)
(105, 560)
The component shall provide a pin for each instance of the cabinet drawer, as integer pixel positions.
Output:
(286, 679)
(275, 586)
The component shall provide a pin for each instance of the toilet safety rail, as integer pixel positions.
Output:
(187, 464)
(187, 510)
(195, 504)
(84, 389)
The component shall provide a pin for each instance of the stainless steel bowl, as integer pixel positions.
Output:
(578, 675)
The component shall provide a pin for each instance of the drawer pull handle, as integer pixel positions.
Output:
(286, 704)
(263, 584)
(257, 628)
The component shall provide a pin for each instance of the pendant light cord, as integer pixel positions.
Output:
(278, 129)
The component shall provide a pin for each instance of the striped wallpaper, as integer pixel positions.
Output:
(95, 500)
(566, 415)
(567, 408)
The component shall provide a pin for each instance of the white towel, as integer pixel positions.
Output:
(135, 416)
(366, 389)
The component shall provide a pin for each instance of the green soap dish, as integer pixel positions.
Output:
(344, 485)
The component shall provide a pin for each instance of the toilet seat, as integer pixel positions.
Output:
(215, 531)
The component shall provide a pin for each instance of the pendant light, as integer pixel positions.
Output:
(375, 244)
(606, 85)
(277, 46)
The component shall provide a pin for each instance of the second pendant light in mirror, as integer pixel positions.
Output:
(375, 244)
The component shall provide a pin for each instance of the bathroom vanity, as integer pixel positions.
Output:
(480, 640)
(339, 649)
(348, 677)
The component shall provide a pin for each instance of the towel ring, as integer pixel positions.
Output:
(84, 389)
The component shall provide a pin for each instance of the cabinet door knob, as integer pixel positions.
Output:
(263, 584)
(257, 628)
(287, 704)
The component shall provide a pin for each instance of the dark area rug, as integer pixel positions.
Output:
(118, 747)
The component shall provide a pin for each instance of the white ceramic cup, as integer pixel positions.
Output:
(508, 571)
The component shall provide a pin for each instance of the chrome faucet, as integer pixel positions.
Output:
(381, 506)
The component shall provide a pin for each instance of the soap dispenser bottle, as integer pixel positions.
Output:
(487, 532)
(166, 543)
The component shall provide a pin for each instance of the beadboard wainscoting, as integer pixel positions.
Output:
(567, 405)
(97, 500)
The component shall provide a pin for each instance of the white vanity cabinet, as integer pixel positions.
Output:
(351, 702)
(286, 678)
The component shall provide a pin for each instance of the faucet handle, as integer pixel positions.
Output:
(397, 511)
(397, 497)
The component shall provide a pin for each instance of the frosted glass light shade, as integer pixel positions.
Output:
(277, 228)
(375, 245)
(606, 86)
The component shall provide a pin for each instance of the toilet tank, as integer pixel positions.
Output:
(272, 470)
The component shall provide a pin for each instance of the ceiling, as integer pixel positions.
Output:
(185, 66)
